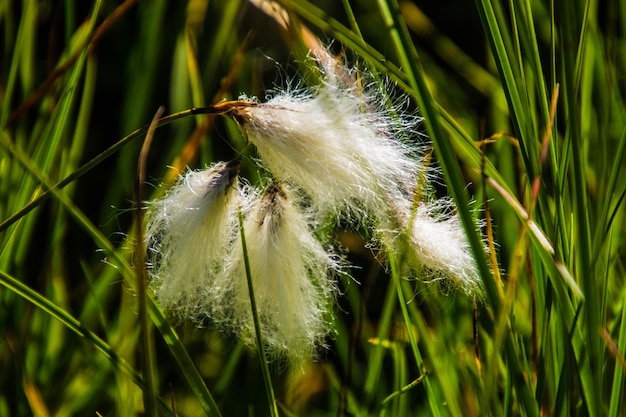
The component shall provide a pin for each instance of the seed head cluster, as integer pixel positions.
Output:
(336, 150)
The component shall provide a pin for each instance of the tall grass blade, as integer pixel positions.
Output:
(267, 379)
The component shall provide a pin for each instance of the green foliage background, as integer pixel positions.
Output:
(522, 100)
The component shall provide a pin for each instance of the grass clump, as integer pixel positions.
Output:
(522, 104)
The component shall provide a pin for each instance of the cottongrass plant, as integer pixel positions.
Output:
(551, 342)
(335, 151)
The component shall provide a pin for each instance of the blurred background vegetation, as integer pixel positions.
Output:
(76, 78)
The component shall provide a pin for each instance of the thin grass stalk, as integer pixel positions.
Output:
(37, 200)
(611, 206)
(147, 343)
(229, 369)
(351, 18)
(357, 30)
(267, 379)
(399, 405)
(197, 90)
(402, 390)
(589, 286)
(229, 19)
(505, 69)
(195, 83)
(348, 353)
(79, 138)
(67, 100)
(378, 351)
(617, 387)
(433, 399)
(136, 102)
(592, 384)
(531, 42)
(15, 62)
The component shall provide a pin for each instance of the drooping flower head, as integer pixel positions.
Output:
(339, 142)
(438, 247)
(187, 235)
(291, 274)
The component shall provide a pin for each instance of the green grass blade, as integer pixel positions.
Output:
(17, 287)
(25, 29)
(617, 387)
(267, 379)
(504, 59)
(433, 399)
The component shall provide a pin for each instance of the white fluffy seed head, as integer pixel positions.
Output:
(340, 143)
(187, 236)
(438, 247)
(292, 279)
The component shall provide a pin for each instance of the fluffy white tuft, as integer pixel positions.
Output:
(291, 275)
(339, 143)
(188, 234)
(440, 248)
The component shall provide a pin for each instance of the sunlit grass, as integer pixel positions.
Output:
(529, 129)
